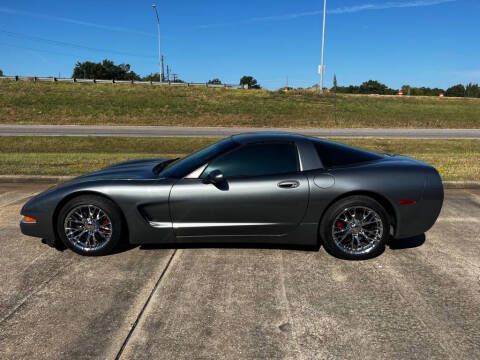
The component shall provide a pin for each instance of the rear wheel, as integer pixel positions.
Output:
(355, 228)
(90, 225)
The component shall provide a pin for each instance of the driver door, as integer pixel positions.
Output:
(264, 193)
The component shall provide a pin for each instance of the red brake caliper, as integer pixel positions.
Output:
(105, 222)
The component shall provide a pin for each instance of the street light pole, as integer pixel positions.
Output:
(160, 57)
(322, 66)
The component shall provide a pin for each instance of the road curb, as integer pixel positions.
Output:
(33, 179)
(58, 179)
(461, 184)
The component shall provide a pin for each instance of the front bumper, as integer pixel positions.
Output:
(34, 229)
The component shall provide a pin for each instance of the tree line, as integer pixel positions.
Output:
(108, 70)
(376, 87)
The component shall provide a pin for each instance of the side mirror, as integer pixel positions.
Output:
(215, 177)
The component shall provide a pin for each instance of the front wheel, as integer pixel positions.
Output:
(90, 225)
(355, 228)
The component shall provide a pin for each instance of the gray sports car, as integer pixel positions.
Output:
(257, 188)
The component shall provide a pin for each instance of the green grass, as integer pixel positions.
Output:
(27, 102)
(455, 159)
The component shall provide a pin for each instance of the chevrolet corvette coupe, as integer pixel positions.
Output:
(256, 188)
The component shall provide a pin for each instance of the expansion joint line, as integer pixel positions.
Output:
(140, 314)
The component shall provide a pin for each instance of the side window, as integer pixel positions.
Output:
(257, 160)
(334, 154)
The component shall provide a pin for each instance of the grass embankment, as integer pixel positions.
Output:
(26, 102)
(455, 159)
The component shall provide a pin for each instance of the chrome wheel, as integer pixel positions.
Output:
(357, 230)
(88, 228)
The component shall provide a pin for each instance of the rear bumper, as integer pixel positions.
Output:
(418, 218)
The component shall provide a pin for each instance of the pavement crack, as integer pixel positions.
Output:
(140, 314)
(37, 289)
(399, 287)
(289, 323)
(475, 196)
(8, 202)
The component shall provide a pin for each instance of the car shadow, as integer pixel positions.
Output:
(60, 246)
(230, 245)
(57, 245)
(407, 243)
(393, 244)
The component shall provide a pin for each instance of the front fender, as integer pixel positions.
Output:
(133, 197)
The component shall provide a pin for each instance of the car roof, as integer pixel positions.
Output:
(267, 136)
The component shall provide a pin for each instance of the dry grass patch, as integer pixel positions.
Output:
(26, 102)
(30, 155)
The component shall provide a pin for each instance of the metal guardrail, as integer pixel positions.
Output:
(106, 81)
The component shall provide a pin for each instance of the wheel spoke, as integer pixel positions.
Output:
(345, 236)
(78, 237)
(366, 215)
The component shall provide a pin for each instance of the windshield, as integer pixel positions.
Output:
(182, 167)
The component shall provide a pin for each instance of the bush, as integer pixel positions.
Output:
(104, 70)
(215, 81)
(456, 91)
(250, 81)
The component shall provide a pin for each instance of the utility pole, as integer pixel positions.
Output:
(322, 66)
(163, 73)
(335, 90)
(160, 57)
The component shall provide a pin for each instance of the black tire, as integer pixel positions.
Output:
(108, 207)
(330, 219)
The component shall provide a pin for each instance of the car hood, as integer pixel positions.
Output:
(134, 169)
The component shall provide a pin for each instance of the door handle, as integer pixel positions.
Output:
(290, 184)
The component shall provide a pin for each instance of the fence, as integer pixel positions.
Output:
(135, 82)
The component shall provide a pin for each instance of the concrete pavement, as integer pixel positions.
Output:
(173, 131)
(420, 299)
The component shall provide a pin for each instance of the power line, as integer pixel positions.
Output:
(64, 43)
(39, 50)
(73, 21)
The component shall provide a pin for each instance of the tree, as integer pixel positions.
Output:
(407, 90)
(215, 81)
(104, 70)
(176, 79)
(472, 90)
(335, 82)
(422, 91)
(375, 87)
(456, 91)
(1, 72)
(151, 77)
(250, 81)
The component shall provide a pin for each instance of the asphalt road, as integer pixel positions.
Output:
(83, 130)
(420, 299)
